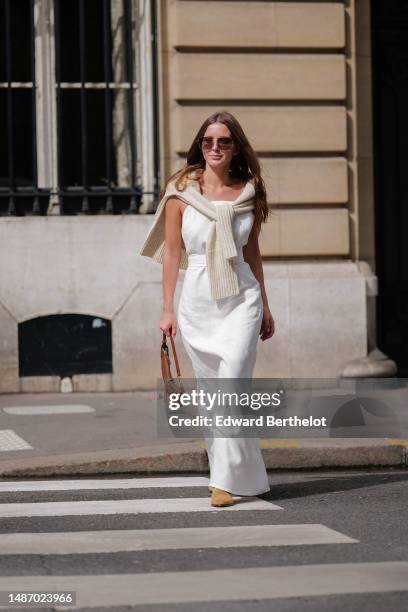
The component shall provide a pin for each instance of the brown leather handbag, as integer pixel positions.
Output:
(171, 384)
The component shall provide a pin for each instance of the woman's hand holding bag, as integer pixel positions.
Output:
(171, 384)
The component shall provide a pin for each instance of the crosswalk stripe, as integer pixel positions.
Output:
(111, 483)
(10, 441)
(130, 506)
(219, 585)
(83, 542)
(48, 409)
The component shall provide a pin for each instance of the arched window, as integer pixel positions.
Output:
(64, 345)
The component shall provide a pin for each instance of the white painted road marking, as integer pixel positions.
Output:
(108, 541)
(219, 585)
(48, 409)
(111, 483)
(10, 441)
(130, 506)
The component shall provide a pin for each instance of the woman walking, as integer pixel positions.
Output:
(208, 222)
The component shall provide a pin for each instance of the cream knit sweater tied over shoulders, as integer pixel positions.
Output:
(220, 245)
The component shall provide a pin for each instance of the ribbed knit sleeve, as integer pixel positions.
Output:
(154, 243)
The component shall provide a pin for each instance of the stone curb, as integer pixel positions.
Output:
(192, 457)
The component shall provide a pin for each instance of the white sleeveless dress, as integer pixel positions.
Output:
(221, 337)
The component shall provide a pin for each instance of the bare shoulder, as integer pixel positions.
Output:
(176, 203)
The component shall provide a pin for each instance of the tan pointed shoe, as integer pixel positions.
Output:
(211, 489)
(221, 498)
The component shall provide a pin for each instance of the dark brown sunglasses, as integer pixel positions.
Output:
(224, 143)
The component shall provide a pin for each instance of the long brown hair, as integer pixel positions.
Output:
(244, 165)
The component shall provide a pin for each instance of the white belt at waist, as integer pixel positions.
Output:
(198, 260)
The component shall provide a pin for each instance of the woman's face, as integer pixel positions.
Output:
(218, 156)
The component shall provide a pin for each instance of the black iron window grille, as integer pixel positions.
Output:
(18, 169)
(84, 158)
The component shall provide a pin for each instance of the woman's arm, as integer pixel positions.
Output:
(252, 256)
(171, 262)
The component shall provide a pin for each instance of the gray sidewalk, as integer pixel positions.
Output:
(116, 433)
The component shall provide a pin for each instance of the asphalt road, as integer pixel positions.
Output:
(318, 541)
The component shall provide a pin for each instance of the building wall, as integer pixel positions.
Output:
(283, 69)
(91, 265)
(297, 76)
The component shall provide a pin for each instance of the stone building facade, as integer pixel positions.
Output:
(298, 76)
